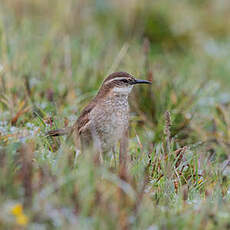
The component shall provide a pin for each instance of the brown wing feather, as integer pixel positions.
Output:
(82, 126)
(84, 117)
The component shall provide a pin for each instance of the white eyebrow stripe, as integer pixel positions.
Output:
(116, 78)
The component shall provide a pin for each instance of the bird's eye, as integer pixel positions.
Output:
(125, 80)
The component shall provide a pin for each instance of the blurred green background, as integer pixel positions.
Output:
(53, 57)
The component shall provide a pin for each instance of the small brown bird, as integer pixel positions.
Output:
(104, 121)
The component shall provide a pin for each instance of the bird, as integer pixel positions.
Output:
(105, 120)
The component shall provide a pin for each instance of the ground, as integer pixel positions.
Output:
(53, 57)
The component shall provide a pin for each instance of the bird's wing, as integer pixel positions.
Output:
(83, 121)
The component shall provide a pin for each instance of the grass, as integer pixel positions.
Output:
(53, 58)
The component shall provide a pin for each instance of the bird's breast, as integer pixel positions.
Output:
(110, 120)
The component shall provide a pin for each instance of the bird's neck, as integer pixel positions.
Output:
(116, 93)
(116, 101)
(126, 90)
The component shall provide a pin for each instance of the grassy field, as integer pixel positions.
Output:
(53, 57)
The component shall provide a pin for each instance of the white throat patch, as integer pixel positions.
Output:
(123, 90)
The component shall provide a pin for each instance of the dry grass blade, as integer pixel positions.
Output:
(19, 113)
(119, 58)
(167, 130)
(26, 172)
(179, 155)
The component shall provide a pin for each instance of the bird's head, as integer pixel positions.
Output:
(121, 82)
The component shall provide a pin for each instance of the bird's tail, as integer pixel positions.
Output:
(59, 132)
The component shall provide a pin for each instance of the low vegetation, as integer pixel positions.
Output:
(53, 58)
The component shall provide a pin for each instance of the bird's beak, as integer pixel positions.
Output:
(138, 81)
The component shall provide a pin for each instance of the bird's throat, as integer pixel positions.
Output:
(123, 90)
